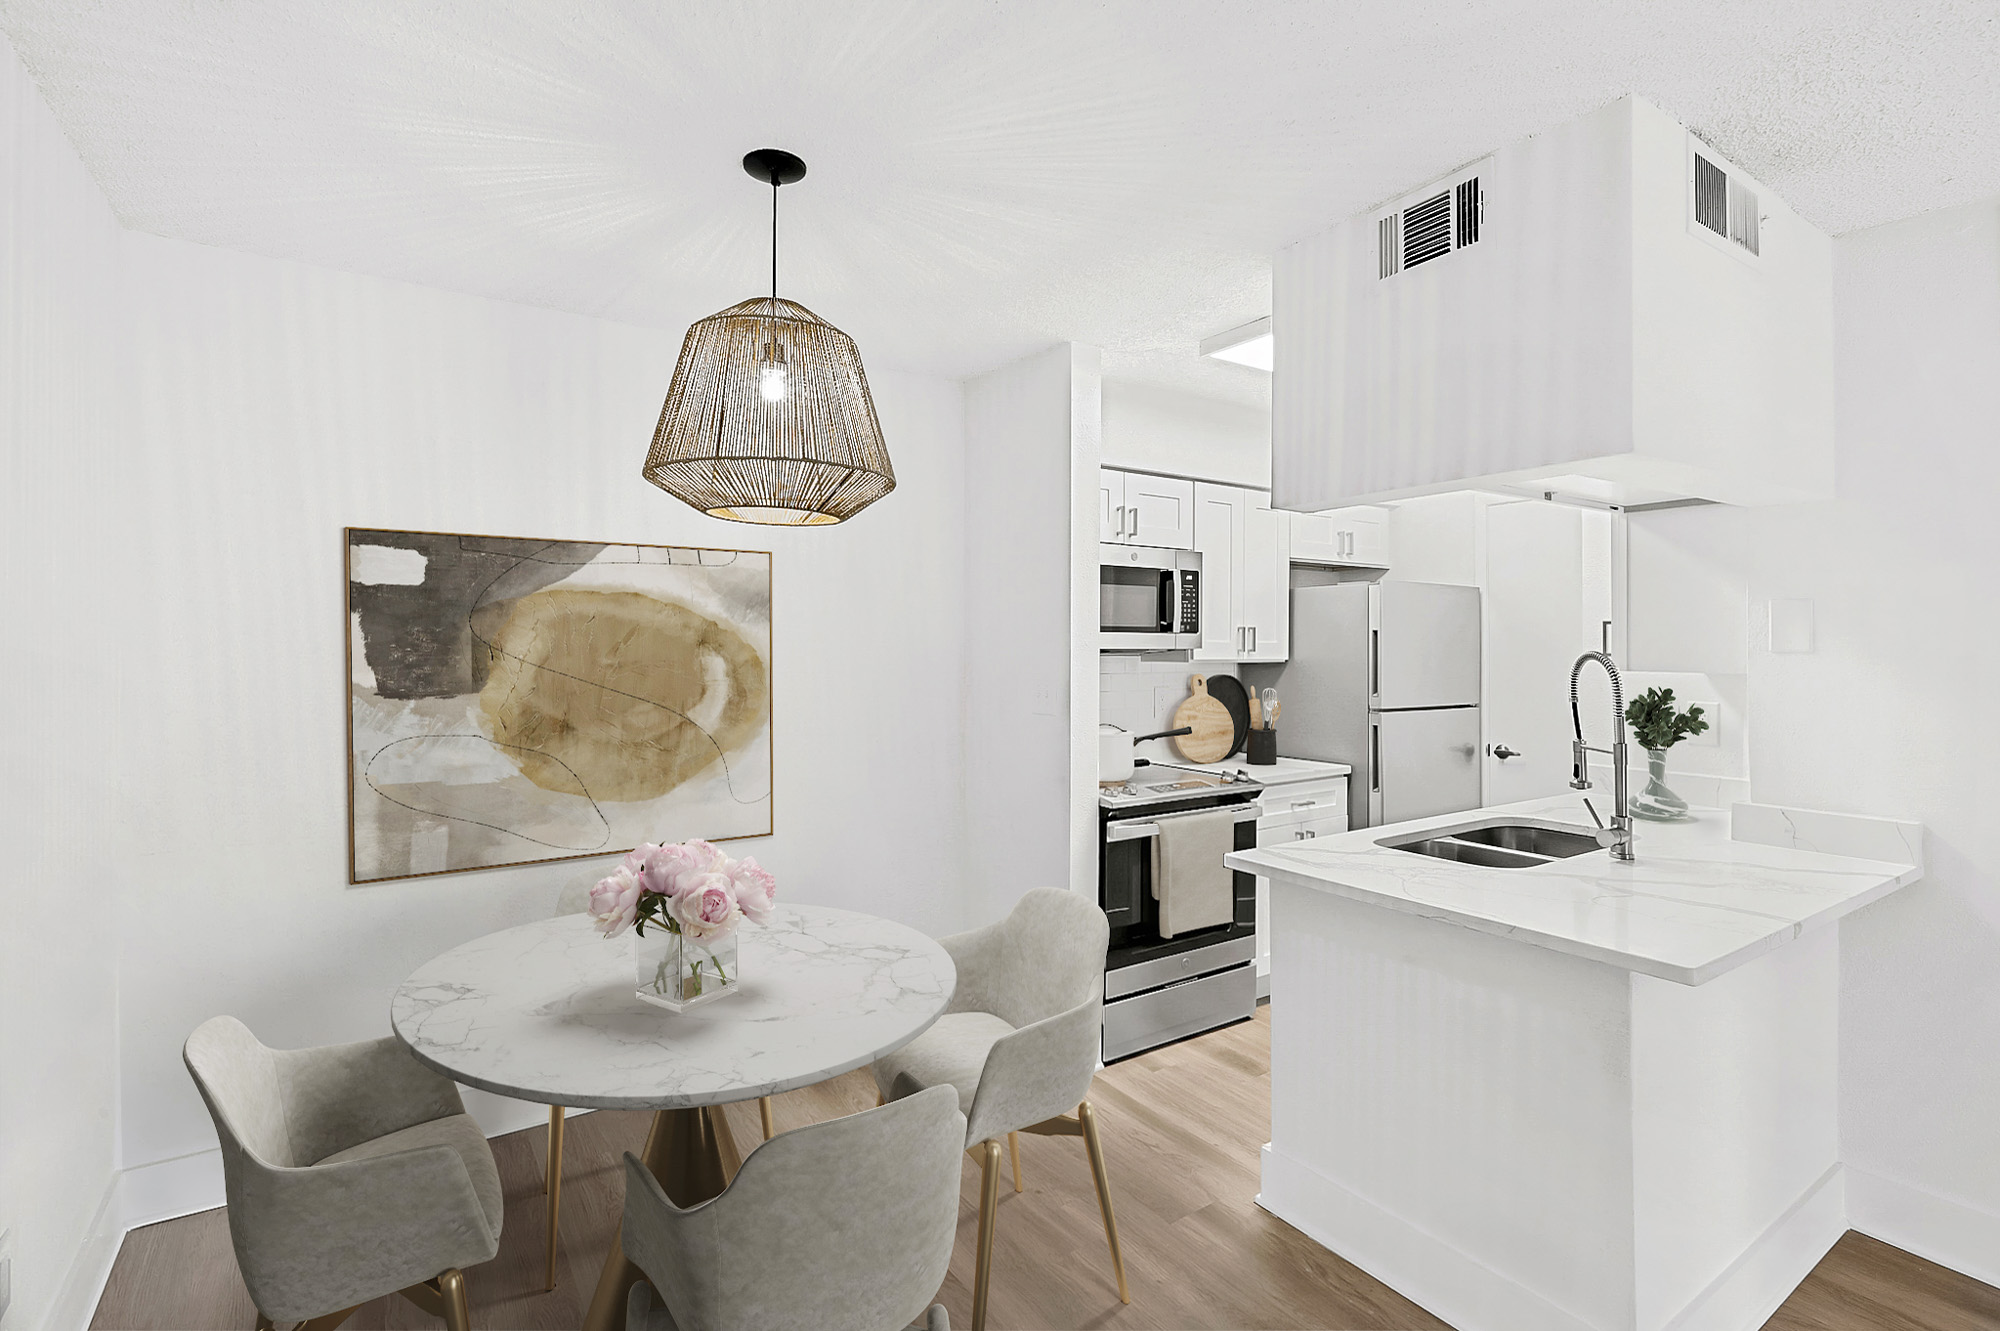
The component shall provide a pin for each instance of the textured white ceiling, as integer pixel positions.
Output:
(985, 177)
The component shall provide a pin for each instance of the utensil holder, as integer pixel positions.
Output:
(1261, 748)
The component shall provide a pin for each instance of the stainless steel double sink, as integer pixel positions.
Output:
(1500, 843)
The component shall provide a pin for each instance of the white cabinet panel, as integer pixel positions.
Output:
(1356, 535)
(1291, 814)
(1265, 607)
(1159, 511)
(1110, 506)
(1220, 511)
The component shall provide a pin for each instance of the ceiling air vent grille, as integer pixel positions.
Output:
(1430, 229)
(1427, 230)
(1726, 207)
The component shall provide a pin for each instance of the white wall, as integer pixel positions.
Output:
(1889, 714)
(67, 604)
(177, 607)
(275, 403)
(1024, 716)
(1149, 428)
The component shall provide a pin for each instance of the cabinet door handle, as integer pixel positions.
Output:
(1121, 521)
(1135, 521)
(1253, 639)
(1305, 804)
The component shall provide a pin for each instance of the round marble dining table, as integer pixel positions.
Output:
(548, 1012)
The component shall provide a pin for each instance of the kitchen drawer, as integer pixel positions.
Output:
(1161, 1015)
(1180, 966)
(1300, 824)
(1302, 795)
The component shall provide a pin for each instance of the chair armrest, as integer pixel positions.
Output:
(342, 1095)
(977, 955)
(1037, 1073)
(316, 1239)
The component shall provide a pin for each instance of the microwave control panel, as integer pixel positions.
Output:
(1190, 601)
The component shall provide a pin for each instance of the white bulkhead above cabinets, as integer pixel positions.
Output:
(1609, 309)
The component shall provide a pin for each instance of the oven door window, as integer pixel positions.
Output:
(1134, 600)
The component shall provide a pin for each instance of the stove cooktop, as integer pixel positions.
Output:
(1157, 783)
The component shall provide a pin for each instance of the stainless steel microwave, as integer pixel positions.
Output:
(1148, 599)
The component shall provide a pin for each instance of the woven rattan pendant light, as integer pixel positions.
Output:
(768, 418)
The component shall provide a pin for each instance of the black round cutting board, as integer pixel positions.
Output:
(1228, 690)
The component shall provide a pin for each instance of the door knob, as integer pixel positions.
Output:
(1502, 752)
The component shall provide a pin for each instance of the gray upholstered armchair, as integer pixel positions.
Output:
(842, 1226)
(1019, 1043)
(352, 1172)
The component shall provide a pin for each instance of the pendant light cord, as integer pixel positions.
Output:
(774, 240)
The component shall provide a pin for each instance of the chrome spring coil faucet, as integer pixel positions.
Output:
(1619, 835)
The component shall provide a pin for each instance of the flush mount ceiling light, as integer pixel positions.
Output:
(768, 418)
(1249, 345)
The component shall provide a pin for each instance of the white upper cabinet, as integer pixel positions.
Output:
(1609, 309)
(1135, 509)
(1358, 535)
(1265, 601)
(1219, 514)
(1245, 574)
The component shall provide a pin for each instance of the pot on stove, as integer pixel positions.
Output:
(1114, 751)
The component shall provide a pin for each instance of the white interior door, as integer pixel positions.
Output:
(1538, 618)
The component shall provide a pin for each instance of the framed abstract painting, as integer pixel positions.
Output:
(514, 701)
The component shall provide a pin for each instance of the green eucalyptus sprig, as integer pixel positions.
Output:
(1655, 723)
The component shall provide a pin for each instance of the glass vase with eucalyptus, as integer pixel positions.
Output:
(1658, 727)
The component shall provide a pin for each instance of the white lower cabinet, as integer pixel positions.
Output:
(1245, 547)
(1297, 812)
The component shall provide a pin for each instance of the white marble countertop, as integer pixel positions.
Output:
(1286, 771)
(1693, 905)
(547, 1012)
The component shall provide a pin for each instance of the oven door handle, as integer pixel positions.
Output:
(1135, 830)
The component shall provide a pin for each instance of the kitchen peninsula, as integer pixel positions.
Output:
(1571, 1093)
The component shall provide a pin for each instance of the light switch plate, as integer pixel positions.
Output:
(6, 1272)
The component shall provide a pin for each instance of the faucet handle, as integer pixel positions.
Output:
(1579, 769)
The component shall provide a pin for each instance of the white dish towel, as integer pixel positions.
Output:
(1193, 886)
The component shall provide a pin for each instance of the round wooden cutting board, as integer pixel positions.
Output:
(1214, 728)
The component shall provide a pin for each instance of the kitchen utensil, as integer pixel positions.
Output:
(1229, 691)
(1114, 752)
(1270, 706)
(1211, 728)
(1256, 713)
(1271, 716)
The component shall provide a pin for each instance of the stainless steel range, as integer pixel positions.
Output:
(1157, 990)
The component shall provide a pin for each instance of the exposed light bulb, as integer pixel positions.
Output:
(771, 383)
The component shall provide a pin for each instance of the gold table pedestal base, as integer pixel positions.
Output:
(693, 1155)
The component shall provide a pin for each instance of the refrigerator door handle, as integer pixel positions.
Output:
(1374, 755)
(1374, 665)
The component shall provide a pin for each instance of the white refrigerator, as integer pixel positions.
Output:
(1384, 677)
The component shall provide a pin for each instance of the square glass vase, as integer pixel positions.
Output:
(677, 972)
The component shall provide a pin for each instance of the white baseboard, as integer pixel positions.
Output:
(166, 1189)
(1419, 1265)
(145, 1195)
(1745, 1295)
(1936, 1228)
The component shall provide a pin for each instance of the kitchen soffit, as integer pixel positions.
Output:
(997, 177)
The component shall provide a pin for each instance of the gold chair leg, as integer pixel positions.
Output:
(989, 1211)
(552, 1184)
(764, 1112)
(265, 1324)
(326, 1321)
(457, 1316)
(1014, 1151)
(1087, 1117)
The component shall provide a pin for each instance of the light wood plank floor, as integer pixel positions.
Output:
(1182, 1128)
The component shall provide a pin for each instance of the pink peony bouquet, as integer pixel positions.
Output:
(688, 888)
